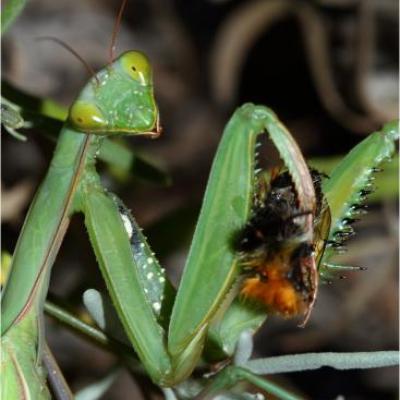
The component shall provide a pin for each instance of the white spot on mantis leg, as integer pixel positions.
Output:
(127, 225)
(157, 306)
(142, 245)
(149, 275)
(150, 260)
(161, 279)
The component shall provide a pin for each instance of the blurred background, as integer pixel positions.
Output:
(328, 68)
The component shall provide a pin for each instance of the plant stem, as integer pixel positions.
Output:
(230, 376)
(303, 362)
(87, 331)
(55, 376)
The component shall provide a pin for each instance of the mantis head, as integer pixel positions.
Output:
(118, 100)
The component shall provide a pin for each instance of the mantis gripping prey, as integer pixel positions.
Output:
(168, 332)
(72, 185)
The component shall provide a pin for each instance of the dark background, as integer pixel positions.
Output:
(330, 87)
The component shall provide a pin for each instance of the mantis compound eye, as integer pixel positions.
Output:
(87, 117)
(137, 66)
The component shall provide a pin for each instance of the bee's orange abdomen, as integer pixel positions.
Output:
(275, 291)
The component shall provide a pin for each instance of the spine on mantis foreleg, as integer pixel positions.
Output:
(350, 184)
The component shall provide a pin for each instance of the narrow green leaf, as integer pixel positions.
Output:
(77, 325)
(26, 101)
(308, 361)
(125, 162)
(231, 376)
(93, 334)
(10, 12)
(56, 380)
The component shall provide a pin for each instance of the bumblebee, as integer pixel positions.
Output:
(278, 259)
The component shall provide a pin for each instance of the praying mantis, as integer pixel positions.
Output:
(72, 185)
(168, 330)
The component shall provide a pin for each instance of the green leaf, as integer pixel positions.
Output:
(231, 376)
(10, 12)
(89, 332)
(125, 163)
(309, 361)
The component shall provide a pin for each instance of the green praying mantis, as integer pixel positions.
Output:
(169, 331)
(72, 185)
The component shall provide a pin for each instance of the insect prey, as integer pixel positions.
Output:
(278, 259)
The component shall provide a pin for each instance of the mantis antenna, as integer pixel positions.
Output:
(67, 47)
(116, 28)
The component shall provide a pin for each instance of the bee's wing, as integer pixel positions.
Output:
(322, 226)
